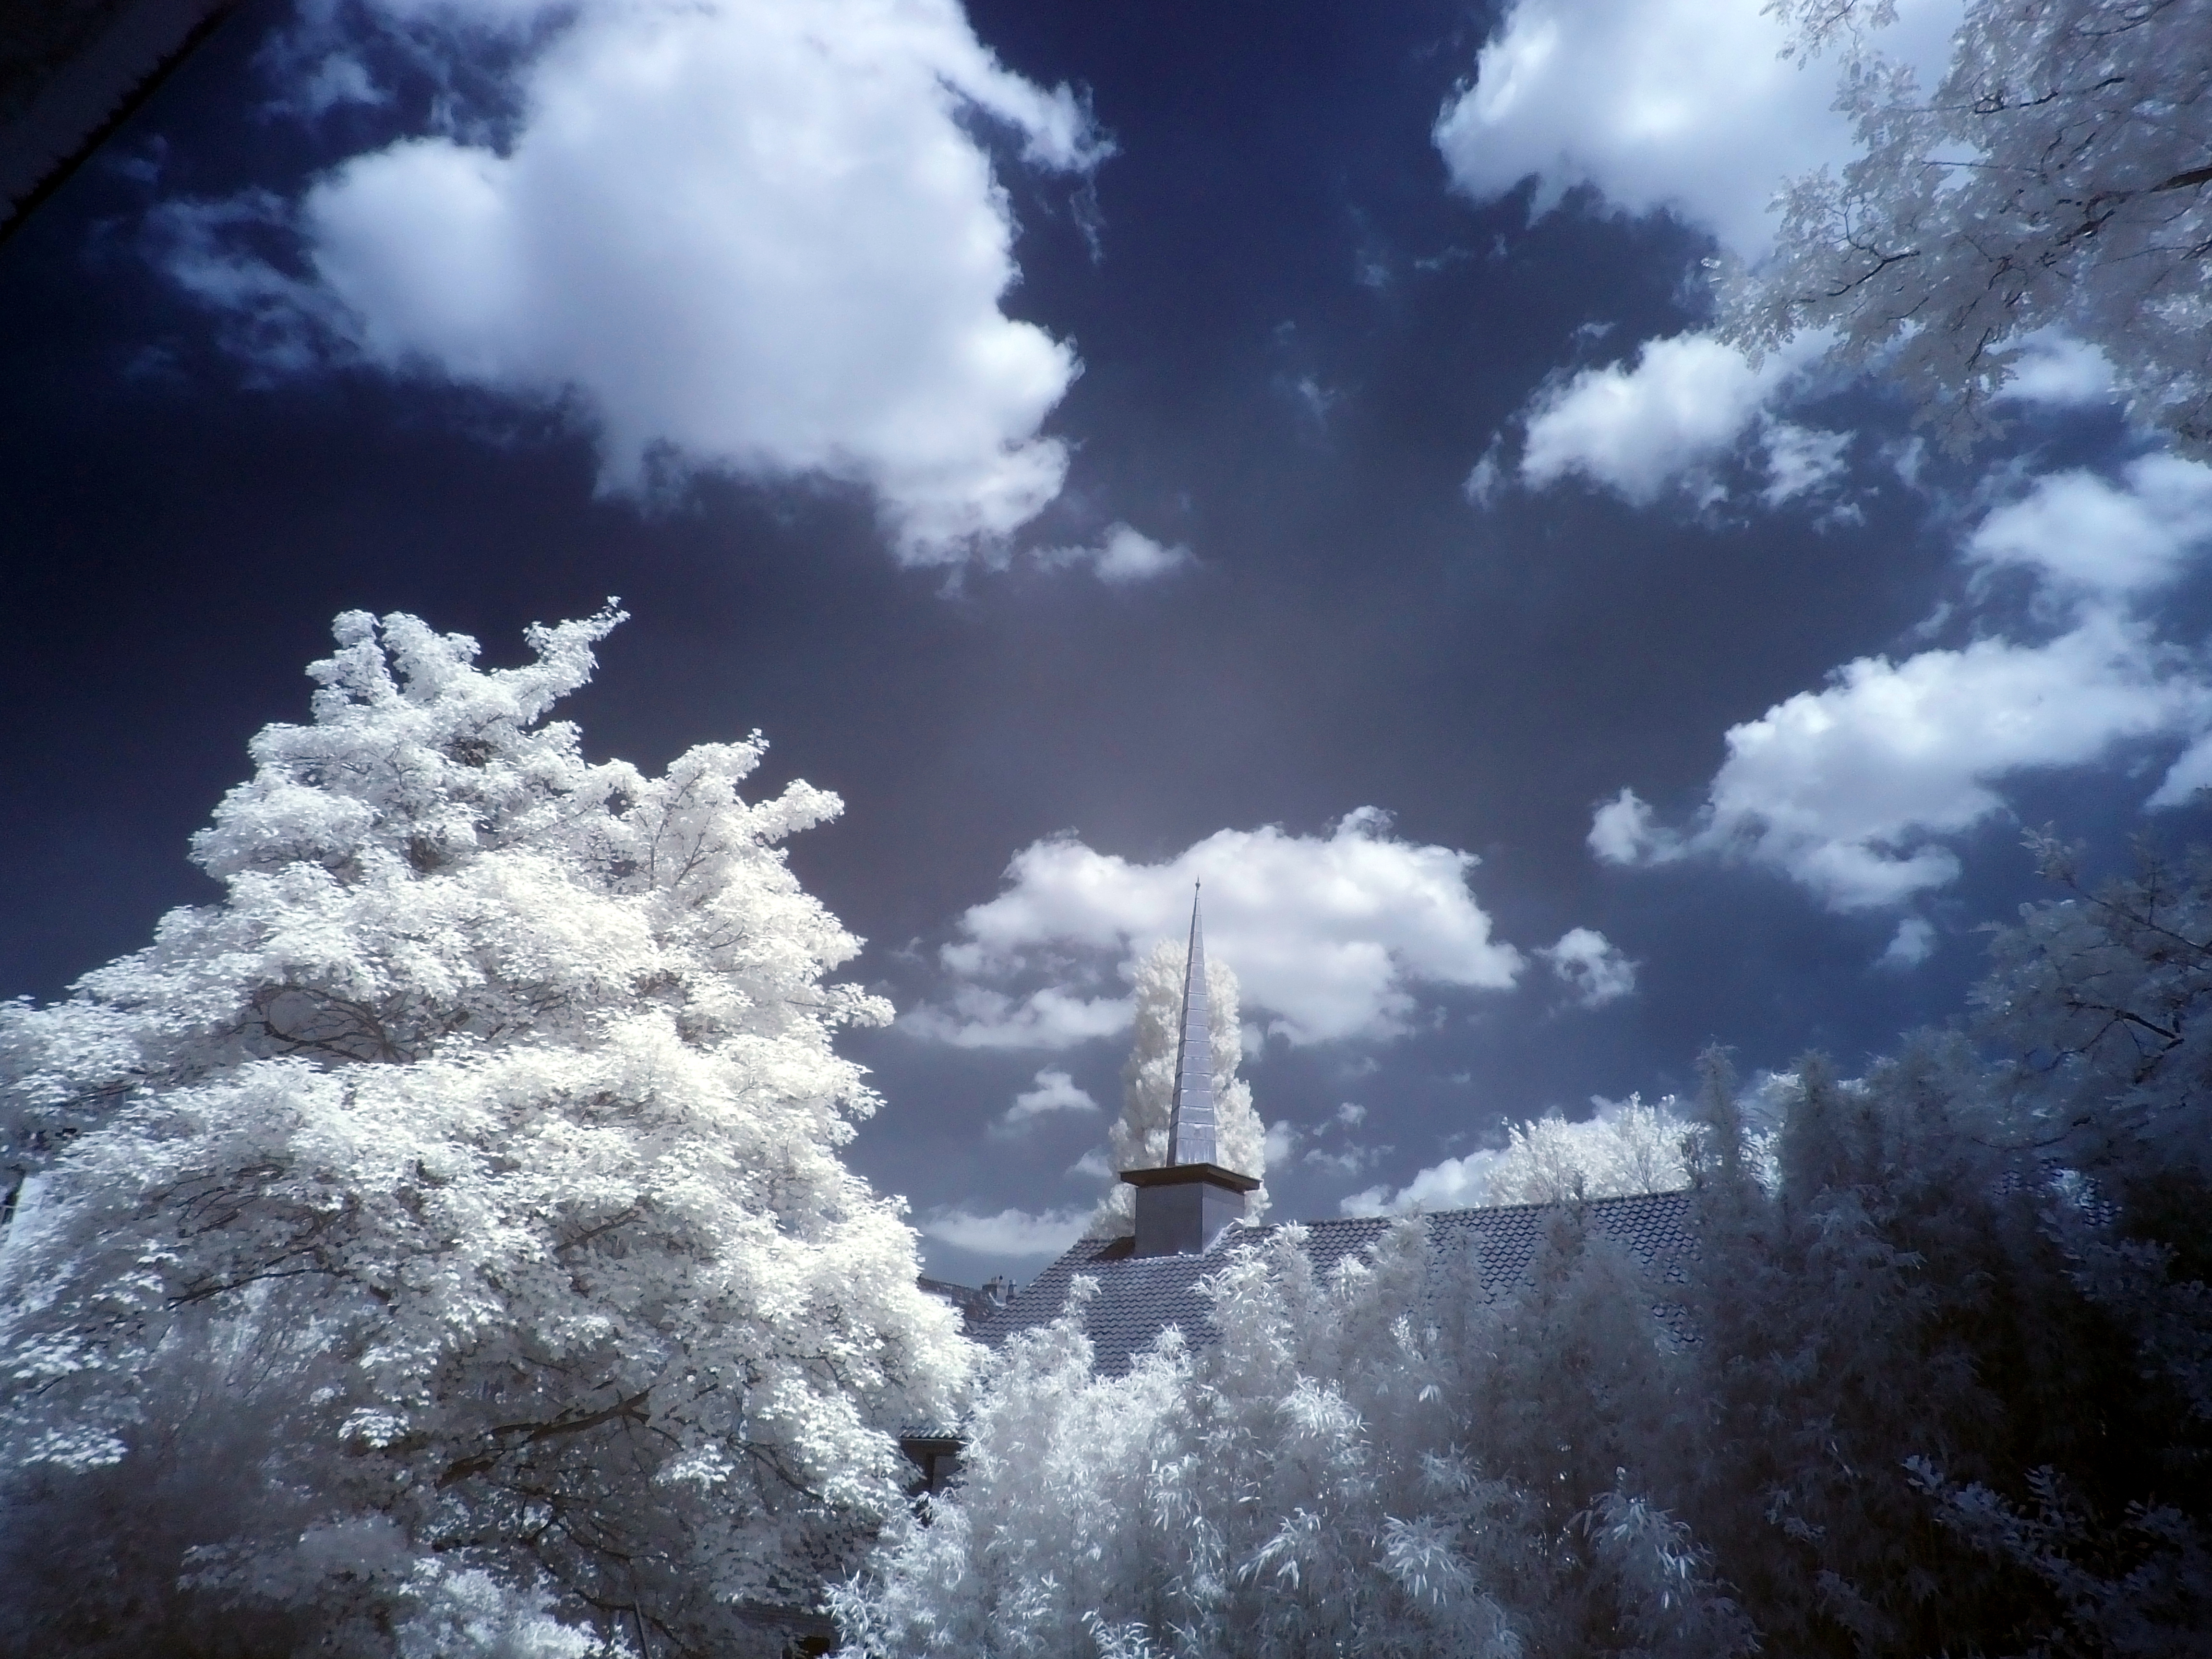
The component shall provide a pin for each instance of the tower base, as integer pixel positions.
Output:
(1182, 1209)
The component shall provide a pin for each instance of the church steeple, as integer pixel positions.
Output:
(1191, 1123)
(1182, 1207)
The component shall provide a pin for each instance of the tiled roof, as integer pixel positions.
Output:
(974, 1306)
(1138, 1297)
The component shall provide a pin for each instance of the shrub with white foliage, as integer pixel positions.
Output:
(492, 1116)
(1308, 1483)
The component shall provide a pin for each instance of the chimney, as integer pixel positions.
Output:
(1182, 1208)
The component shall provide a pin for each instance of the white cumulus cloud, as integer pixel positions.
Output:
(1676, 104)
(1053, 1091)
(1333, 936)
(1639, 428)
(1626, 1147)
(1593, 965)
(1093, 1166)
(1850, 789)
(2193, 772)
(1683, 106)
(2086, 535)
(1624, 830)
(758, 235)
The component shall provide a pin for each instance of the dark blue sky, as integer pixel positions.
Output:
(1296, 341)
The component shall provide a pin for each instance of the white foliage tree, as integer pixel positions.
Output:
(496, 1105)
(1138, 1139)
(2059, 177)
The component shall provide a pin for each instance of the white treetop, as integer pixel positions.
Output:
(1632, 1149)
(496, 1100)
(2059, 177)
(1139, 1139)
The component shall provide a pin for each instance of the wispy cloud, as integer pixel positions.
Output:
(1054, 1094)
(2089, 535)
(1123, 557)
(977, 1016)
(1009, 1232)
(1800, 460)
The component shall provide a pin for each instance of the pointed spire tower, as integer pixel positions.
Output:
(1182, 1207)
(1190, 1126)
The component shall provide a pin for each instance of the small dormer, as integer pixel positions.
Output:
(1182, 1207)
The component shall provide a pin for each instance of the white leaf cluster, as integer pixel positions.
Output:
(495, 1108)
(2059, 177)
(1138, 1139)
